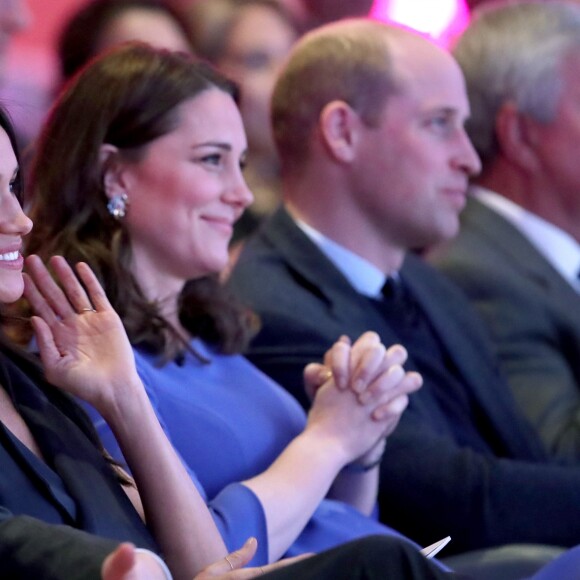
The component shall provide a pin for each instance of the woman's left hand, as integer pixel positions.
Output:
(82, 342)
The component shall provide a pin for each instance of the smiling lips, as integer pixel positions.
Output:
(11, 259)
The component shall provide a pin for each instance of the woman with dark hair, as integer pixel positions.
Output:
(53, 468)
(143, 181)
(63, 513)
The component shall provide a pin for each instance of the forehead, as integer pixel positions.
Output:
(211, 113)
(428, 76)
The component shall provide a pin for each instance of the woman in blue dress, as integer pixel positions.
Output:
(138, 172)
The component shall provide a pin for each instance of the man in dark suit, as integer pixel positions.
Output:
(518, 254)
(369, 120)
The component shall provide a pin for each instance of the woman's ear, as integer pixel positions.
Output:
(338, 126)
(113, 171)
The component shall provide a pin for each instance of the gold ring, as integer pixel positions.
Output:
(228, 561)
(327, 376)
(87, 310)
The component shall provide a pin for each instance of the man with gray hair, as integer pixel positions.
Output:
(518, 254)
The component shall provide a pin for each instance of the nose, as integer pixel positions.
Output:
(467, 159)
(239, 193)
(14, 221)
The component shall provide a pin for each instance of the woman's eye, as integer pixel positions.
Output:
(213, 159)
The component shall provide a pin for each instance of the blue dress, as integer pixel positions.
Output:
(229, 422)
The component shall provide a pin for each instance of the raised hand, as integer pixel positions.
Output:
(82, 342)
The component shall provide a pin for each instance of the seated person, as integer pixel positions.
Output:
(149, 201)
(517, 255)
(375, 164)
(66, 512)
(101, 24)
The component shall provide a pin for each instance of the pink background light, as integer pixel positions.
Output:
(442, 20)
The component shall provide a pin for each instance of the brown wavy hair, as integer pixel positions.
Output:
(127, 98)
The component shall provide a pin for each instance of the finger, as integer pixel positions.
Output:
(337, 359)
(72, 287)
(234, 560)
(392, 410)
(37, 301)
(119, 563)
(410, 383)
(364, 341)
(95, 289)
(368, 367)
(390, 384)
(396, 355)
(314, 377)
(248, 573)
(48, 288)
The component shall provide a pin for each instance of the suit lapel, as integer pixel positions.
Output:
(509, 243)
(461, 334)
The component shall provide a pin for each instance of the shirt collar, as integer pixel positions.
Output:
(366, 278)
(557, 246)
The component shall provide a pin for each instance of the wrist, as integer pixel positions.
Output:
(371, 460)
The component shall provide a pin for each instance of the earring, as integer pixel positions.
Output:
(117, 206)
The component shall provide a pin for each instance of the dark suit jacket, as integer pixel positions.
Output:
(534, 318)
(431, 485)
(61, 520)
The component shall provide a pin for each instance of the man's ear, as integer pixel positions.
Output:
(516, 136)
(113, 171)
(338, 125)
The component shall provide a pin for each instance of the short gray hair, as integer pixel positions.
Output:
(513, 51)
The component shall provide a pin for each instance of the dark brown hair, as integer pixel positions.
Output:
(128, 97)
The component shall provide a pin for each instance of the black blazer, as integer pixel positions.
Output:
(431, 485)
(50, 528)
(533, 314)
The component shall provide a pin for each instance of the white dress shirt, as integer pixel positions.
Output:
(557, 246)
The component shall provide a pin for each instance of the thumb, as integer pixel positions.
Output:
(118, 563)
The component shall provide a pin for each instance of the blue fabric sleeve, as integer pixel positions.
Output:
(236, 511)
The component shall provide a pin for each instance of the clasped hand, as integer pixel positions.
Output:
(360, 392)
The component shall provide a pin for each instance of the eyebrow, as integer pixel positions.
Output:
(218, 144)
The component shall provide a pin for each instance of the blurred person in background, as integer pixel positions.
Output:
(101, 24)
(14, 17)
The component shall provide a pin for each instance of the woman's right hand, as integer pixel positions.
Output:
(362, 392)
